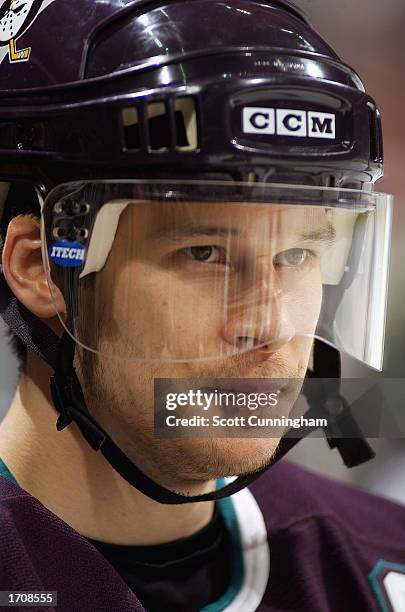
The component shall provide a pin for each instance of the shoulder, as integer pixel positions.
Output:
(24, 519)
(41, 552)
(289, 495)
(335, 543)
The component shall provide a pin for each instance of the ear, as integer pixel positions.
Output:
(24, 270)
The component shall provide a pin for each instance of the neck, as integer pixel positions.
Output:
(78, 484)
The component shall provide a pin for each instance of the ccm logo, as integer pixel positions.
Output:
(287, 122)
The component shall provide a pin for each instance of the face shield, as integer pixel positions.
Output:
(185, 271)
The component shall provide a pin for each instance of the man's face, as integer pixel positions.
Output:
(200, 291)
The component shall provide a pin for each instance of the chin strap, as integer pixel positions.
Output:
(325, 400)
(69, 401)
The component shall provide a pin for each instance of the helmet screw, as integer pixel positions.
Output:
(334, 406)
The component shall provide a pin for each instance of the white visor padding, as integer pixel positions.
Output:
(102, 237)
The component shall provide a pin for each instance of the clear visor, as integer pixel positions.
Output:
(203, 271)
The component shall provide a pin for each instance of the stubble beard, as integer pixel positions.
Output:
(125, 411)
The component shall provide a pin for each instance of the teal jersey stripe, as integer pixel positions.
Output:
(227, 510)
(5, 472)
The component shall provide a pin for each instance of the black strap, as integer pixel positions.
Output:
(325, 399)
(37, 336)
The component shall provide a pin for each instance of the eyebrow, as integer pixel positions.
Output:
(191, 230)
(325, 234)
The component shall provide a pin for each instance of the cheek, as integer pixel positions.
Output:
(303, 304)
(128, 389)
(312, 297)
(157, 313)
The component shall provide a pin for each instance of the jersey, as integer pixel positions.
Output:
(301, 542)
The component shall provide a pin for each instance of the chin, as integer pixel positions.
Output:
(221, 457)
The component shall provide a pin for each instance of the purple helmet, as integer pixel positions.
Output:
(191, 101)
(175, 87)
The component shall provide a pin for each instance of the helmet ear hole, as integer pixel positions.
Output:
(17, 199)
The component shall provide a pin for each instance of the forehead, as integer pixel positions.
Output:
(157, 217)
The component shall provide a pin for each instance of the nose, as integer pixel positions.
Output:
(262, 324)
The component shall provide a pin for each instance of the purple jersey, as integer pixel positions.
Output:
(307, 544)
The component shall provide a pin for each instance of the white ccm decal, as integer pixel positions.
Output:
(288, 122)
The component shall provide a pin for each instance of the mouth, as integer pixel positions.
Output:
(241, 397)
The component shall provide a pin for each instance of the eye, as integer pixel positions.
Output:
(293, 258)
(206, 254)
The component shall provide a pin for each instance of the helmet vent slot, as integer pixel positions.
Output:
(186, 124)
(330, 180)
(130, 122)
(375, 134)
(159, 127)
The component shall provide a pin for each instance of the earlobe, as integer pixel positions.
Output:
(24, 271)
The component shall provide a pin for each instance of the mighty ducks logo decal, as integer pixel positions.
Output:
(16, 17)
